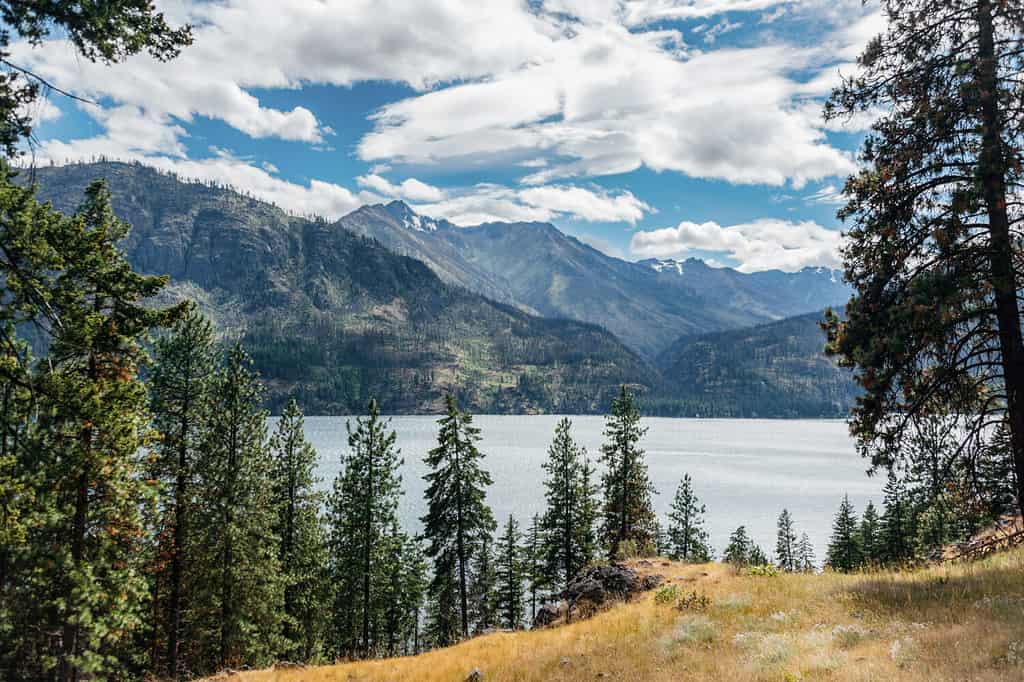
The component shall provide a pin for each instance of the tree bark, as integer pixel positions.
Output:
(1002, 275)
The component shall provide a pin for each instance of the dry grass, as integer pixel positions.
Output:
(959, 622)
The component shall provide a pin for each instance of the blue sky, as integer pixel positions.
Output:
(648, 128)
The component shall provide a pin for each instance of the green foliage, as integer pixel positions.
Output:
(483, 589)
(737, 552)
(626, 511)
(458, 523)
(238, 604)
(511, 576)
(567, 525)
(933, 331)
(786, 548)
(805, 554)
(302, 553)
(688, 540)
(763, 570)
(180, 386)
(78, 458)
(869, 536)
(363, 525)
(844, 550)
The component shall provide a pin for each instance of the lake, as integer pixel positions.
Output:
(744, 470)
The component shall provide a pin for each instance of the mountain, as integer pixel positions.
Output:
(771, 370)
(335, 318)
(540, 269)
(773, 294)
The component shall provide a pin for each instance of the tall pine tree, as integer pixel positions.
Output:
(627, 515)
(566, 525)
(180, 394)
(511, 576)
(786, 556)
(241, 598)
(844, 551)
(688, 540)
(458, 521)
(302, 552)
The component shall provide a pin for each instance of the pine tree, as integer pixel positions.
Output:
(180, 394)
(627, 515)
(362, 513)
(688, 540)
(757, 557)
(536, 578)
(870, 536)
(302, 553)
(589, 513)
(564, 528)
(241, 599)
(737, 552)
(511, 576)
(896, 525)
(805, 554)
(844, 552)
(483, 589)
(934, 326)
(786, 556)
(458, 520)
(79, 571)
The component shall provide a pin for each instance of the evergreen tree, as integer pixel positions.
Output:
(757, 556)
(180, 393)
(79, 570)
(805, 554)
(483, 589)
(302, 553)
(536, 579)
(786, 550)
(896, 525)
(511, 576)
(362, 515)
(870, 536)
(588, 513)
(688, 540)
(458, 520)
(564, 528)
(241, 598)
(737, 552)
(844, 551)
(414, 586)
(934, 326)
(627, 515)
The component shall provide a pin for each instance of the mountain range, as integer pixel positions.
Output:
(648, 304)
(514, 317)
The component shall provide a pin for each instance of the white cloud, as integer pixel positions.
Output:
(608, 100)
(763, 244)
(829, 194)
(721, 28)
(410, 189)
(486, 203)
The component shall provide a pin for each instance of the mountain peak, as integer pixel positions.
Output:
(410, 219)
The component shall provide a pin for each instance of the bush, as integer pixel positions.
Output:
(667, 595)
(763, 571)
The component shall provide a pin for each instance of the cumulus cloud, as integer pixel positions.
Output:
(409, 189)
(764, 244)
(609, 100)
(486, 203)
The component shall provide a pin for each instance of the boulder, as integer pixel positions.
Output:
(652, 581)
(475, 675)
(546, 615)
(600, 584)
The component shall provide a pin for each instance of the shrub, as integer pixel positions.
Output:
(763, 570)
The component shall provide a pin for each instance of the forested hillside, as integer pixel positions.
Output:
(541, 269)
(772, 370)
(336, 318)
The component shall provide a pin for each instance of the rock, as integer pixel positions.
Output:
(546, 615)
(652, 581)
(564, 661)
(600, 584)
(475, 675)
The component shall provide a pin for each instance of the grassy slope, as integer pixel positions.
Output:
(954, 622)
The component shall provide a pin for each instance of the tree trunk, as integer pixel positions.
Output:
(460, 540)
(367, 548)
(177, 559)
(1002, 275)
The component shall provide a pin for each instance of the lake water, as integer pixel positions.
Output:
(744, 471)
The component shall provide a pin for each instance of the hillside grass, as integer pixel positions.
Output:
(951, 622)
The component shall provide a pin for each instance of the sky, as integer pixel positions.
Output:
(645, 128)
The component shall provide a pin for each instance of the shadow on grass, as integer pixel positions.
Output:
(990, 589)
